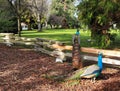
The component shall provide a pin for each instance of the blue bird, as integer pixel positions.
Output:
(92, 71)
(77, 32)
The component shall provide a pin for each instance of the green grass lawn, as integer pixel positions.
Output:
(65, 35)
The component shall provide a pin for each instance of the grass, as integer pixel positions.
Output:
(65, 35)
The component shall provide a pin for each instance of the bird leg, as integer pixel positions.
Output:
(93, 80)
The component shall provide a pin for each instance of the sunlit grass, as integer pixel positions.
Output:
(65, 35)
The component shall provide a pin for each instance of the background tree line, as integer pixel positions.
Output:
(39, 13)
(98, 15)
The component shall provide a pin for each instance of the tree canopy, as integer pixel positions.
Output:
(65, 9)
(99, 16)
(7, 18)
(39, 8)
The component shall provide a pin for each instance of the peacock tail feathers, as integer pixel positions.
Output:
(76, 75)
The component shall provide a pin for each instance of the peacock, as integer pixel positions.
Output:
(77, 32)
(92, 71)
(76, 58)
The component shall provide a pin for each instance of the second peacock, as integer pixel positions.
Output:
(92, 71)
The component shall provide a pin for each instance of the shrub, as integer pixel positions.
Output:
(8, 24)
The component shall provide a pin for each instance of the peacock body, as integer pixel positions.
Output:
(76, 59)
(92, 71)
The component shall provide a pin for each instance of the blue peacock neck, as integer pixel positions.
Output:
(100, 61)
(77, 32)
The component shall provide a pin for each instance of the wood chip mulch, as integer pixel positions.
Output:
(27, 70)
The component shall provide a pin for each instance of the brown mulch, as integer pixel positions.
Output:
(27, 70)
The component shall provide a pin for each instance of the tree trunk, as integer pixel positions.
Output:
(19, 26)
(100, 35)
(29, 26)
(39, 27)
(46, 25)
(65, 23)
(39, 23)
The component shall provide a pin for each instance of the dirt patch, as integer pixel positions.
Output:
(26, 70)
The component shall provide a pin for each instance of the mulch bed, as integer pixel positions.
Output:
(27, 70)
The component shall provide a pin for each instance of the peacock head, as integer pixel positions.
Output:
(99, 53)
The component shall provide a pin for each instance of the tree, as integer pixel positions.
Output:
(7, 23)
(28, 18)
(18, 7)
(7, 19)
(39, 9)
(55, 21)
(65, 9)
(99, 16)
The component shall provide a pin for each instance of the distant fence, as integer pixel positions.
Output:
(11, 39)
(47, 46)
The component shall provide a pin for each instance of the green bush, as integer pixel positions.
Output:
(104, 41)
(8, 24)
